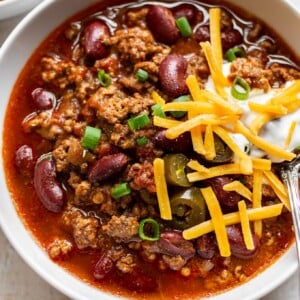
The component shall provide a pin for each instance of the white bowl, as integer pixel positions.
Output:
(11, 8)
(282, 16)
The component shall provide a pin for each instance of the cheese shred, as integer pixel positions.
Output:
(254, 214)
(238, 187)
(245, 224)
(217, 220)
(161, 189)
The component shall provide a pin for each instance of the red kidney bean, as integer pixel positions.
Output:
(186, 10)
(202, 34)
(48, 189)
(226, 199)
(42, 99)
(161, 23)
(103, 266)
(172, 243)
(93, 33)
(230, 38)
(206, 246)
(237, 244)
(24, 160)
(172, 75)
(107, 166)
(181, 144)
(138, 281)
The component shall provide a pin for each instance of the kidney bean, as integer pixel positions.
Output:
(172, 73)
(42, 99)
(237, 244)
(227, 199)
(230, 38)
(161, 23)
(107, 166)
(93, 33)
(103, 266)
(202, 34)
(139, 281)
(48, 189)
(186, 10)
(24, 160)
(172, 243)
(206, 246)
(181, 144)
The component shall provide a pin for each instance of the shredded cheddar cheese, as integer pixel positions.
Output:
(195, 165)
(278, 188)
(256, 198)
(215, 34)
(209, 144)
(290, 134)
(165, 123)
(161, 189)
(227, 169)
(262, 144)
(245, 225)
(157, 98)
(196, 135)
(254, 214)
(268, 108)
(245, 160)
(204, 119)
(217, 220)
(194, 88)
(261, 164)
(238, 187)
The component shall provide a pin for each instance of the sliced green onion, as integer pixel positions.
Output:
(233, 53)
(141, 141)
(155, 229)
(141, 75)
(104, 78)
(158, 111)
(184, 26)
(180, 114)
(91, 137)
(120, 190)
(138, 122)
(240, 89)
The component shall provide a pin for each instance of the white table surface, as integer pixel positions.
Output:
(18, 281)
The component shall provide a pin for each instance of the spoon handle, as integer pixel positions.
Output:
(290, 178)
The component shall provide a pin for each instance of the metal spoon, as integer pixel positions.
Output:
(289, 174)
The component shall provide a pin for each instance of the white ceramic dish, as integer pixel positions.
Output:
(283, 17)
(11, 8)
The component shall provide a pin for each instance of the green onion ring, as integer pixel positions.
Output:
(240, 89)
(155, 227)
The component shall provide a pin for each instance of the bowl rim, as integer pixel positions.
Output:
(12, 8)
(41, 263)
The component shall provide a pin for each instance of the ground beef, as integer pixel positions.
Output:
(133, 44)
(59, 249)
(122, 228)
(52, 124)
(69, 152)
(110, 103)
(136, 17)
(252, 71)
(85, 229)
(126, 264)
(280, 75)
(175, 263)
(142, 177)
